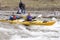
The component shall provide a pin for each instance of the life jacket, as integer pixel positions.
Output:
(11, 18)
(14, 17)
(29, 18)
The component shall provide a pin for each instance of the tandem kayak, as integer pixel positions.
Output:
(48, 23)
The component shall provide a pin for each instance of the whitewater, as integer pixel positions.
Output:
(34, 32)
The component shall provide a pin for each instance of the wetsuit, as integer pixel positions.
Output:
(29, 18)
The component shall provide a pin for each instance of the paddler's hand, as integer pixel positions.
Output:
(34, 17)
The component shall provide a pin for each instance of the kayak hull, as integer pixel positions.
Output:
(49, 23)
(39, 23)
(46, 23)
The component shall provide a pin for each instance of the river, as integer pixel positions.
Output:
(20, 32)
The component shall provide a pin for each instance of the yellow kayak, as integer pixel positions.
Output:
(11, 21)
(48, 23)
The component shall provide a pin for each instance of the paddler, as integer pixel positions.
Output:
(29, 17)
(13, 17)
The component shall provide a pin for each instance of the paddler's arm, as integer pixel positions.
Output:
(33, 17)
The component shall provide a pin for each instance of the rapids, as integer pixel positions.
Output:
(33, 32)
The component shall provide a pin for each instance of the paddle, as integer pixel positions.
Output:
(38, 16)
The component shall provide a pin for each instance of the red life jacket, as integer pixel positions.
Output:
(14, 17)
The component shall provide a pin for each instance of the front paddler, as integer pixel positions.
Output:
(12, 17)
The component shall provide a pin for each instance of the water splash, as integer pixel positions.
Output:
(54, 19)
(44, 33)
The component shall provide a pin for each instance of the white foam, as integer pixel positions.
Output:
(34, 35)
